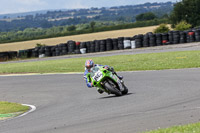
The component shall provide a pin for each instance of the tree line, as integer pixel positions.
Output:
(39, 33)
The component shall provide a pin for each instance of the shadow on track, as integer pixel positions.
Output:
(113, 96)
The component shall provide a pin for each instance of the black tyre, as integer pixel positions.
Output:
(125, 90)
(113, 90)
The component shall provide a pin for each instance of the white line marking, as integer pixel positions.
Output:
(33, 108)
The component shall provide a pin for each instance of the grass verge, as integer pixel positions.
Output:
(190, 128)
(152, 61)
(8, 109)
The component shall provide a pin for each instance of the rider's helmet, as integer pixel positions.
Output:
(89, 64)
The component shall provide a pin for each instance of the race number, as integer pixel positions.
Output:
(98, 75)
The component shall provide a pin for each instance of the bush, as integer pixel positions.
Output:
(40, 45)
(163, 28)
(183, 25)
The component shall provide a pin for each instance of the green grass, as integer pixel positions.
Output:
(190, 128)
(6, 108)
(153, 61)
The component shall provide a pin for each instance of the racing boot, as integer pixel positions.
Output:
(100, 91)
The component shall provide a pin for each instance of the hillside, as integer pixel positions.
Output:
(47, 19)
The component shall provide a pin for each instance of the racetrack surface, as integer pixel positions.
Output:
(65, 105)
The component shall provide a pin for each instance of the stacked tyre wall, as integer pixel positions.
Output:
(138, 41)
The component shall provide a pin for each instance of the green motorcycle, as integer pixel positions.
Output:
(107, 81)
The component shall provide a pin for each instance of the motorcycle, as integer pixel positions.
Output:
(107, 81)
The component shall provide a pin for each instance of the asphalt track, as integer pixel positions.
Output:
(156, 99)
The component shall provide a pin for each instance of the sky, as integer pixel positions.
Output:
(18, 6)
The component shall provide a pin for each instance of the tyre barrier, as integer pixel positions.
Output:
(138, 41)
(197, 35)
(109, 44)
(165, 39)
(183, 37)
(97, 46)
(170, 37)
(71, 47)
(158, 39)
(146, 40)
(191, 36)
(152, 40)
(176, 37)
(127, 43)
(4, 56)
(102, 45)
(92, 46)
(115, 44)
(120, 43)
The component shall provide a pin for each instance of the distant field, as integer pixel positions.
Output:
(84, 37)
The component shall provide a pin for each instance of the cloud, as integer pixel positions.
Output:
(30, 2)
(13, 6)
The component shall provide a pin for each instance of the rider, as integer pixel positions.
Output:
(88, 65)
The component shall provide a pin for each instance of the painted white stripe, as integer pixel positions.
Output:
(33, 108)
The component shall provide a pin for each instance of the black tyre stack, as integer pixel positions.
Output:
(48, 52)
(97, 46)
(35, 52)
(58, 50)
(158, 39)
(165, 40)
(109, 44)
(176, 37)
(71, 47)
(53, 51)
(92, 46)
(4, 56)
(83, 47)
(77, 49)
(63, 49)
(29, 53)
(115, 44)
(197, 35)
(121, 43)
(102, 45)
(127, 43)
(42, 51)
(170, 37)
(87, 47)
(13, 54)
(183, 37)
(191, 36)
(152, 39)
(139, 41)
(146, 40)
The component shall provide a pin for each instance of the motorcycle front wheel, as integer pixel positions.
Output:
(112, 89)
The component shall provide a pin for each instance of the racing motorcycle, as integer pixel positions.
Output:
(107, 81)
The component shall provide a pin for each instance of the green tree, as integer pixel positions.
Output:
(187, 10)
(71, 28)
(183, 25)
(145, 16)
(92, 24)
(163, 28)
